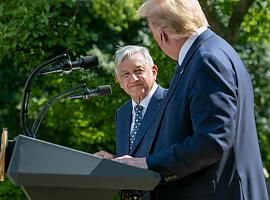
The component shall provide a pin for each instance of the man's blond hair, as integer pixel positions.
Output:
(179, 17)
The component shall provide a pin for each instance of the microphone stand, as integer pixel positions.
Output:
(44, 110)
(27, 91)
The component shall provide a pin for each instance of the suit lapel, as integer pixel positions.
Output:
(124, 129)
(154, 105)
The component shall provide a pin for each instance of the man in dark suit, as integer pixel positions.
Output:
(203, 141)
(136, 74)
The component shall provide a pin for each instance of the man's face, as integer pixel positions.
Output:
(135, 77)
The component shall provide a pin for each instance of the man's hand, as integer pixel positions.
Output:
(136, 162)
(104, 154)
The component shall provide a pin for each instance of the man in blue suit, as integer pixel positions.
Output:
(136, 73)
(203, 141)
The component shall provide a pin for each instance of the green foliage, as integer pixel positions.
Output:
(32, 32)
(20, 23)
(116, 13)
(255, 27)
(8, 191)
(223, 9)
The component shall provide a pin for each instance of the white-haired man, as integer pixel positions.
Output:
(136, 73)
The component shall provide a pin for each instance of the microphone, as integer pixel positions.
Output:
(67, 66)
(86, 93)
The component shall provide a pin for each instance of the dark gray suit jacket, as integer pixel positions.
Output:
(204, 141)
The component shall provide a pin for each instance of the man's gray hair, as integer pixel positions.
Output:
(128, 52)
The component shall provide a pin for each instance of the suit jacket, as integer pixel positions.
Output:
(123, 121)
(203, 141)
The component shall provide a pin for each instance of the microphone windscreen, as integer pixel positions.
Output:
(104, 90)
(88, 62)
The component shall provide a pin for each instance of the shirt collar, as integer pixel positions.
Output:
(187, 45)
(147, 99)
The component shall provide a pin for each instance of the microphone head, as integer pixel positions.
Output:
(104, 90)
(88, 62)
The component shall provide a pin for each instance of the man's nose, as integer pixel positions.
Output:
(134, 77)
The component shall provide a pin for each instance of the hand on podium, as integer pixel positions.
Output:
(105, 154)
(126, 159)
(135, 162)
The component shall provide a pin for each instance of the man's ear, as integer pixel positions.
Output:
(163, 35)
(155, 71)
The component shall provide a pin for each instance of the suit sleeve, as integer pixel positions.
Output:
(212, 109)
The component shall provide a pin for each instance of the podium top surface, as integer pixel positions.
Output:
(39, 163)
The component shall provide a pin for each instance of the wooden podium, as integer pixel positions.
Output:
(49, 171)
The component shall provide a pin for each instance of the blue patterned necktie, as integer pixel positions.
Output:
(138, 120)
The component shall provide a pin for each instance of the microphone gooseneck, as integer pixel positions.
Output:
(67, 66)
(102, 90)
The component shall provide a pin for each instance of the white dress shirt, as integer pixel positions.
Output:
(186, 46)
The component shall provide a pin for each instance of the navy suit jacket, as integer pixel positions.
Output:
(123, 119)
(203, 141)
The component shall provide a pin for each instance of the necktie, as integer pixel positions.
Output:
(138, 120)
(134, 194)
